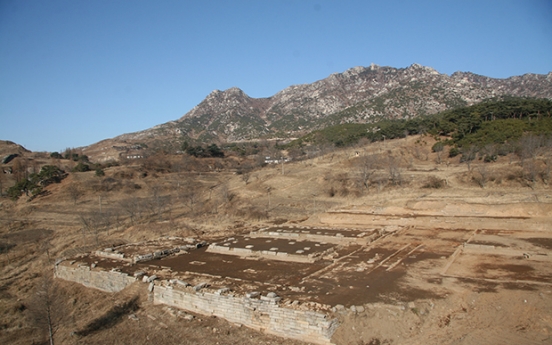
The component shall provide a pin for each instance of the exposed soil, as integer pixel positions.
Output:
(541, 242)
(456, 265)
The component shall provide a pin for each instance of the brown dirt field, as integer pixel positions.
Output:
(462, 279)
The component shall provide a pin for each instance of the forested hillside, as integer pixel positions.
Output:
(500, 122)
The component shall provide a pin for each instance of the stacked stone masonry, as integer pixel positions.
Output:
(109, 281)
(363, 238)
(273, 255)
(263, 314)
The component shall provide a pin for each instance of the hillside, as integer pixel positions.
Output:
(358, 95)
(370, 185)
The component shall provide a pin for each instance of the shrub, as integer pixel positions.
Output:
(24, 186)
(81, 167)
(434, 182)
(438, 146)
(453, 152)
(489, 158)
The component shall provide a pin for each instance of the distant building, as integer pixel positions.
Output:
(269, 160)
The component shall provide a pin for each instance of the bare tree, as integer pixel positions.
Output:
(547, 169)
(244, 170)
(75, 192)
(132, 207)
(483, 177)
(157, 203)
(531, 170)
(366, 168)
(19, 169)
(395, 175)
(420, 153)
(468, 155)
(190, 193)
(438, 148)
(530, 146)
(93, 223)
(45, 309)
(226, 195)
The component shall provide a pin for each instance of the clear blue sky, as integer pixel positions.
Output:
(75, 72)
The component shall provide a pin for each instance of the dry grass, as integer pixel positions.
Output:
(134, 203)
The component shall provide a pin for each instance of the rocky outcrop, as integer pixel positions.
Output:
(360, 94)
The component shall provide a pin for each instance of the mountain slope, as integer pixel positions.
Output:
(360, 94)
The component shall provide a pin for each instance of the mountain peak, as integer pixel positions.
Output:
(418, 67)
(357, 95)
(233, 91)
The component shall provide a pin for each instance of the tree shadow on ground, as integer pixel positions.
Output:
(111, 318)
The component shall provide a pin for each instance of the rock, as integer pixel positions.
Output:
(188, 317)
(359, 309)
(152, 278)
(133, 317)
(138, 274)
(150, 287)
(252, 294)
(221, 291)
(181, 282)
(145, 279)
(200, 286)
(271, 295)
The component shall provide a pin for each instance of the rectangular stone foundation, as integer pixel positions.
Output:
(109, 281)
(261, 314)
(272, 255)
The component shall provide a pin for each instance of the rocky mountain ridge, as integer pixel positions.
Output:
(360, 94)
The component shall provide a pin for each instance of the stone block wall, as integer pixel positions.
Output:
(336, 239)
(273, 255)
(261, 313)
(109, 281)
(112, 255)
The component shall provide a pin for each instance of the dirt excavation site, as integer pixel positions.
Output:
(455, 272)
(290, 254)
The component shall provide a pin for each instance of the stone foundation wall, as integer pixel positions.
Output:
(337, 239)
(272, 255)
(260, 313)
(112, 255)
(109, 281)
(419, 219)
